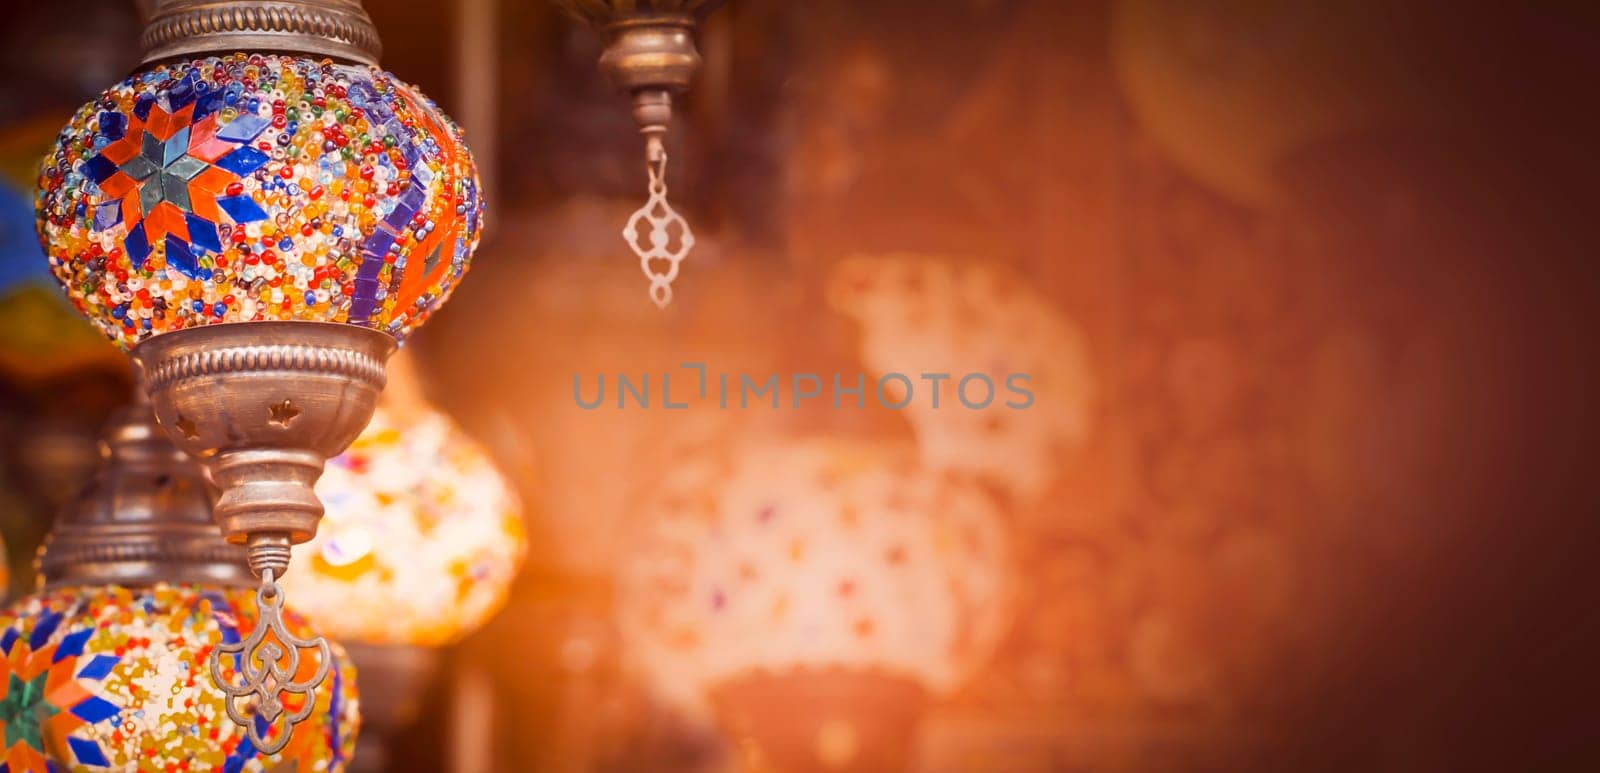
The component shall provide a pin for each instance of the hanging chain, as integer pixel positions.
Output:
(660, 216)
(265, 681)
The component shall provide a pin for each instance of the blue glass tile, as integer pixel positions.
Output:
(98, 668)
(401, 215)
(95, 709)
(243, 161)
(202, 232)
(183, 93)
(71, 645)
(243, 129)
(413, 198)
(180, 258)
(141, 107)
(87, 751)
(107, 215)
(362, 94)
(138, 245)
(48, 621)
(176, 146)
(113, 124)
(99, 168)
(242, 209)
(373, 251)
(333, 711)
(208, 103)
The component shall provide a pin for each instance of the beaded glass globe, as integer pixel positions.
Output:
(258, 188)
(106, 677)
(421, 540)
(814, 557)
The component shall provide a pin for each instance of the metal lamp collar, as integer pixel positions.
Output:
(338, 29)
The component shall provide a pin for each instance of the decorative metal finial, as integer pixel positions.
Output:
(258, 660)
(661, 217)
(650, 53)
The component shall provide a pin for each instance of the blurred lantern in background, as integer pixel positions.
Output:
(816, 593)
(58, 379)
(420, 544)
(1016, 394)
(64, 378)
(107, 667)
(421, 540)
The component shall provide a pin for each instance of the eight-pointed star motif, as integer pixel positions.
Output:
(164, 176)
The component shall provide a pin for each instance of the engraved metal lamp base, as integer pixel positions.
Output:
(144, 518)
(264, 404)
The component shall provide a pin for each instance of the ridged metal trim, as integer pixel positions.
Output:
(180, 28)
(129, 552)
(259, 357)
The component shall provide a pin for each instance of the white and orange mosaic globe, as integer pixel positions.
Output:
(795, 555)
(420, 540)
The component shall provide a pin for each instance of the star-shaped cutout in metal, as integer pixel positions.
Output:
(282, 413)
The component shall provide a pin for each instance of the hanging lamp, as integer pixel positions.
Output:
(259, 230)
(650, 54)
(139, 589)
(814, 593)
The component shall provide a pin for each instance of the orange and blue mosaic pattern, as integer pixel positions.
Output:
(260, 187)
(166, 175)
(107, 677)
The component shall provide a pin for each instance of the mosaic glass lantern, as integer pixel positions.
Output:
(108, 677)
(1019, 385)
(259, 230)
(831, 574)
(109, 667)
(421, 540)
(258, 187)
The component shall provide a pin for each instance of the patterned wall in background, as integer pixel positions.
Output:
(1265, 387)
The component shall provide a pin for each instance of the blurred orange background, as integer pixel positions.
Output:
(1325, 263)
